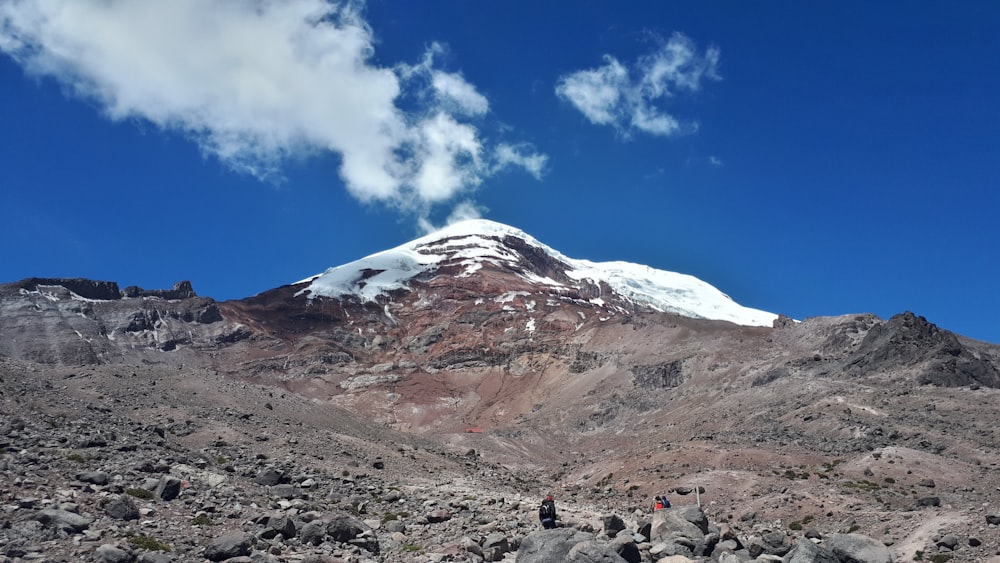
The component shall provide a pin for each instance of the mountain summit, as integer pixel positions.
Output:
(463, 249)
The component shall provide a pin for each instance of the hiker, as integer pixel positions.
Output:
(547, 513)
(660, 502)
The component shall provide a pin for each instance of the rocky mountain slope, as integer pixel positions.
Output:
(500, 370)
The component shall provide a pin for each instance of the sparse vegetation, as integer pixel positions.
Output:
(148, 543)
(202, 520)
(862, 485)
(140, 494)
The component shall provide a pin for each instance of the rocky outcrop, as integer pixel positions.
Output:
(87, 289)
(908, 341)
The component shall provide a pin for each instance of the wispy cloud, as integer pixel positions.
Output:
(257, 82)
(630, 99)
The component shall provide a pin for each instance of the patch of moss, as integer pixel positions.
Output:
(148, 543)
(140, 493)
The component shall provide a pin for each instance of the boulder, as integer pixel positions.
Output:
(344, 528)
(805, 551)
(624, 545)
(546, 546)
(168, 488)
(592, 551)
(93, 477)
(108, 553)
(64, 520)
(612, 525)
(122, 508)
(859, 548)
(269, 477)
(495, 546)
(673, 534)
(227, 546)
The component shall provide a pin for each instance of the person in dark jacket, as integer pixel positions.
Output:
(547, 513)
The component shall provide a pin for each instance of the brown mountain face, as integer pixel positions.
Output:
(842, 423)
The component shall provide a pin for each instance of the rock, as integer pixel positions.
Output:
(269, 477)
(285, 491)
(592, 551)
(856, 547)
(393, 526)
(928, 501)
(547, 546)
(93, 477)
(108, 553)
(626, 548)
(694, 515)
(929, 483)
(993, 519)
(63, 520)
(806, 551)
(227, 546)
(495, 546)
(612, 525)
(313, 532)
(438, 516)
(344, 528)
(675, 535)
(948, 541)
(168, 488)
(282, 525)
(122, 508)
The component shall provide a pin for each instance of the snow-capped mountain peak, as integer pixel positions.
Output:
(462, 249)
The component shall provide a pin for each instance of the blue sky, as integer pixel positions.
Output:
(816, 158)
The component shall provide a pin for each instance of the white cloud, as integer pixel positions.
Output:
(255, 82)
(462, 211)
(597, 92)
(627, 99)
(453, 88)
(509, 155)
(449, 157)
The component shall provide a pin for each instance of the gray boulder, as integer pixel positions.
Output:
(269, 477)
(694, 515)
(168, 488)
(673, 534)
(593, 551)
(807, 552)
(612, 525)
(64, 520)
(93, 477)
(344, 528)
(495, 546)
(108, 553)
(282, 525)
(547, 546)
(285, 491)
(227, 546)
(312, 533)
(858, 548)
(122, 508)
(624, 545)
